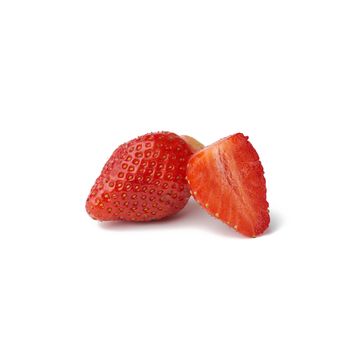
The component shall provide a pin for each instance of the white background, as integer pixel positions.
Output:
(78, 78)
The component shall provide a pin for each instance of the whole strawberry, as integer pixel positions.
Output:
(143, 180)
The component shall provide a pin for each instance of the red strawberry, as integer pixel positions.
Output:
(227, 179)
(143, 180)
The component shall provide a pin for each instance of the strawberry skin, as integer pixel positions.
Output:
(144, 180)
(227, 179)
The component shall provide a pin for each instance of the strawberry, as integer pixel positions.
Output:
(194, 144)
(227, 179)
(144, 180)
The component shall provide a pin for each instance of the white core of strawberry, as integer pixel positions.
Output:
(194, 144)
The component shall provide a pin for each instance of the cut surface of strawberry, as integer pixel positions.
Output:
(227, 179)
(144, 180)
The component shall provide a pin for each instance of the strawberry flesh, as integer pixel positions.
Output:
(227, 179)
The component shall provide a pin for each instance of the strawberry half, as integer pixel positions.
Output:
(144, 179)
(227, 179)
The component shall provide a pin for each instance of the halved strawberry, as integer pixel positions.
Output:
(227, 179)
